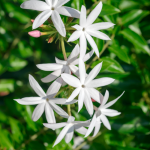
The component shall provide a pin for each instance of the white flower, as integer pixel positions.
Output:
(86, 29)
(45, 101)
(101, 113)
(68, 129)
(62, 66)
(85, 86)
(51, 8)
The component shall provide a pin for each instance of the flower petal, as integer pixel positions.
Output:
(61, 62)
(67, 70)
(62, 101)
(35, 5)
(83, 45)
(69, 134)
(59, 25)
(49, 67)
(88, 56)
(38, 111)
(71, 80)
(94, 72)
(41, 18)
(105, 121)
(49, 2)
(94, 14)
(92, 43)
(77, 27)
(54, 2)
(55, 126)
(100, 82)
(50, 117)
(80, 129)
(104, 101)
(81, 99)
(75, 35)
(97, 128)
(110, 112)
(101, 26)
(67, 11)
(83, 16)
(36, 87)
(82, 71)
(74, 69)
(61, 2)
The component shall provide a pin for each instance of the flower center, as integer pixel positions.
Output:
(83, 29)
(52, 8)
(47, 99)
(83, 86)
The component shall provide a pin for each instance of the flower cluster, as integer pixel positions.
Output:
(71, 71)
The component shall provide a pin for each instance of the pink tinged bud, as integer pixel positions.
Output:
(35, 33)
(32, 20)
(93, 100)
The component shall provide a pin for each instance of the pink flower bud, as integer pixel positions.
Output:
(35, 33)
(32, 20)
(93, 100)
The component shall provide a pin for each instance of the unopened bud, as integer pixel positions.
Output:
(51, 39)
(93, 100)
(35, 33)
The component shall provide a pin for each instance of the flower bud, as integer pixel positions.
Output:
(51, 39)
(35, 33)
(93, 100)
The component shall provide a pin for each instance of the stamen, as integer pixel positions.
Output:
(83, 29)
(83, 86)
(53, 8)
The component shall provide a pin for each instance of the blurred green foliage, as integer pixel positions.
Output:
(127, 59)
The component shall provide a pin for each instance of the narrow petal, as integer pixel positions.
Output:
(50, 117)
(92, 125)
(74, 69)
(81, 99)
(62, 134)
(35, 5)
(41, 18)
(110, 112)
(77, 27)
(30, 100)
(49, 67)
(55, 126)
(82, 71)
(75, 35)
(105, 121)
(54, 88)
(83, 45)
(88, 56)
(100, 82)
(92, 43)
(101, 26)
(49, 2)
(38, 111)
(105, 99)
(59, 25)
(71, 119)
(98, 34)
(81, 130)
(94, 72)
(61, 62)
(94, 14)
(74, 94)
(71, 80)
(62, 101)
(61, 2)
(67, 11)
(54, 2)
(36, 87)
(83, 16)
(67, 70)
(69, 134)
(97, 128)
(58, 110)
(112, 102)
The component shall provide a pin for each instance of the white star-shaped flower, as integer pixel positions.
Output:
(101, 113)
(85, 86)
(86, 29)
(45, 101)
(62, 66)
(51, 8)
(68, 130)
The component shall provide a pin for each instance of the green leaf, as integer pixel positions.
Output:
(133, 16)
(138, 41)
(77, 4)
(7, 85)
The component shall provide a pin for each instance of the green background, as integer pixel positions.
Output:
(127, 59)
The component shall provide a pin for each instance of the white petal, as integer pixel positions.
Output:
(74, 94)
(94, 72)
(74, 70)
(81, 130)
(71, 119)
(105, 99)
(77, 27)
(61, 62)
(101, 26)
(62, 133)
(81, 99)
(97, 128)
(82, 71)
(105, 121)
(88, 56)
(75, 35)
(69, 134)
(38, 111)
(71, 80)
(41, 18)
(83, 16)
(110, 112)
(67, 11)
(94, 14)
(92, 43)
(100, 82)
(67, 70)
(54, 88)
(112, 102)
(83, 45)
(92, 125)
(54, 2)
(36, 87)
(35, 5)
(61, 2)
(88, 103)
(55, 126)
(49, 2)
(49, 67)
(98, 34)
(50, 117)
(62, 101)
(59, 110)
(96, 95)
(30, 100)
(59, 25)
